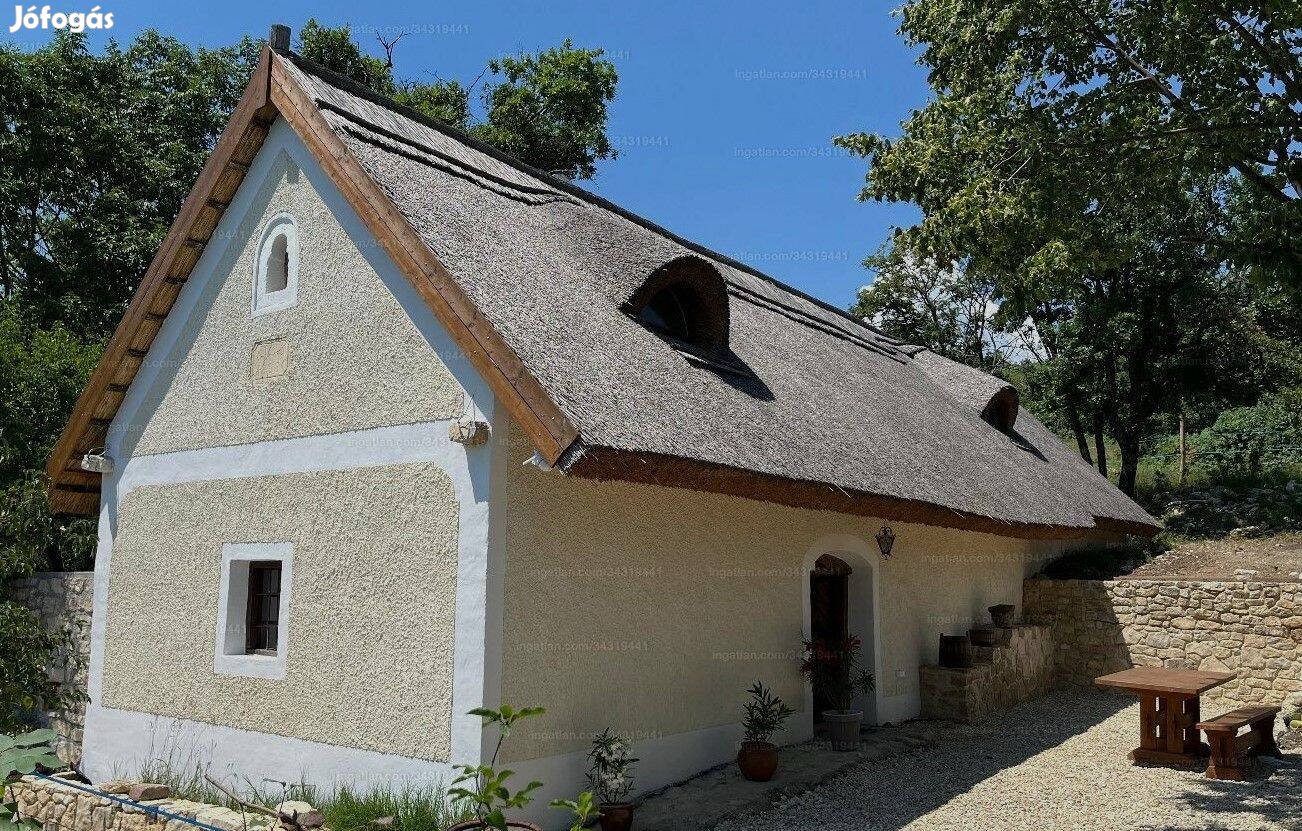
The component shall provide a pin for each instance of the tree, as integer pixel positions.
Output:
(548, 109)
(96, 154)
(940, 308)
(335, 49)
(1207, 89)
(1050, 166)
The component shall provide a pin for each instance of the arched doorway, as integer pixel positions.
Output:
(841, 600)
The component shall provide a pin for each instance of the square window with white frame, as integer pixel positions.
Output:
(253, 609)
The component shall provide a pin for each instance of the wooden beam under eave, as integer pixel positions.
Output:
(249, 118)
(548, 428)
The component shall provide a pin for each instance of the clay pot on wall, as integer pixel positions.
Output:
(955, 651)
(616, 816)
(1003, 615)
(758, 761)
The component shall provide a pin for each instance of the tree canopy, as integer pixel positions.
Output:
(1110, 170)
(97, 153)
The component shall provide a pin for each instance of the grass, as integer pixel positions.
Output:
(414, 807)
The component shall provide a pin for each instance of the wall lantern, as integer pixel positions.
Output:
(886, 541)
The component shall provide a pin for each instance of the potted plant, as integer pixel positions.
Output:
(612, 763)
(765, 714)
(483, 787)
(834, 666)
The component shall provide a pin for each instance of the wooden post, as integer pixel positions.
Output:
(1182, 449)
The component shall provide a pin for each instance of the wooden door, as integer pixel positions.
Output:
(829, 611)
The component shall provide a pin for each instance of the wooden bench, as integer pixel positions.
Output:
(1232, 752)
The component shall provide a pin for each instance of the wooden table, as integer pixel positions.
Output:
(1169, 711)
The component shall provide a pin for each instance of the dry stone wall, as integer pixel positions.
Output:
(63, 602)
(1000, 677)
(1253, 629)
(61, 807)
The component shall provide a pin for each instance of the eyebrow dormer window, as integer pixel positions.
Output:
(668, 311)
(275, 279)
(1001, 411)
(685, 301)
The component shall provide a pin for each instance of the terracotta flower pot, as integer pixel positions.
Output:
(758, 760)
(476, 825)
(843, 728)
(616, 816)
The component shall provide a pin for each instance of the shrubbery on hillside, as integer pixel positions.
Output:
(1252, 440)
(1252, 507)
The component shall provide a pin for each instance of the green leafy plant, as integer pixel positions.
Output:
(584, 809)
(765, 714)
(834, 666)
(20, 756)
(612, 765)
(482, 787)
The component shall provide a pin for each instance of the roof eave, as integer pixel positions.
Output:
(613, 464)
(70, 489)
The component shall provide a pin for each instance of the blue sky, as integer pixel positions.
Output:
(723, 119)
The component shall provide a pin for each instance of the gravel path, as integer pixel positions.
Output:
(1055, 763)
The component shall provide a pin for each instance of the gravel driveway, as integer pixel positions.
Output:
(1055, 763)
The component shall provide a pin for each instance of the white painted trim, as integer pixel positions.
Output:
(475, 667)
(265, 302)
(128, 739)
(229, 657)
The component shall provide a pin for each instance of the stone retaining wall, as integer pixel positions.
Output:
(1253, 629)
(63, 602)
(59, 807)
(1000, 677)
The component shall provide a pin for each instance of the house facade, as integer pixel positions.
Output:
(397, 427)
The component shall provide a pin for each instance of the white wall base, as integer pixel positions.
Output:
(125, 740)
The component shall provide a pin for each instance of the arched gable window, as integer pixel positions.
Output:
(685, 301)
(275, 279)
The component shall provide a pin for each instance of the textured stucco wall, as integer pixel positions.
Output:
(62, 599)
(652, 609)
(370, 646)
(355, 359)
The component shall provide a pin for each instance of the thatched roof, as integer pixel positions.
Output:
(808, 407)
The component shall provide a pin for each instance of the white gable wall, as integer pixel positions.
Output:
(347, 457)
